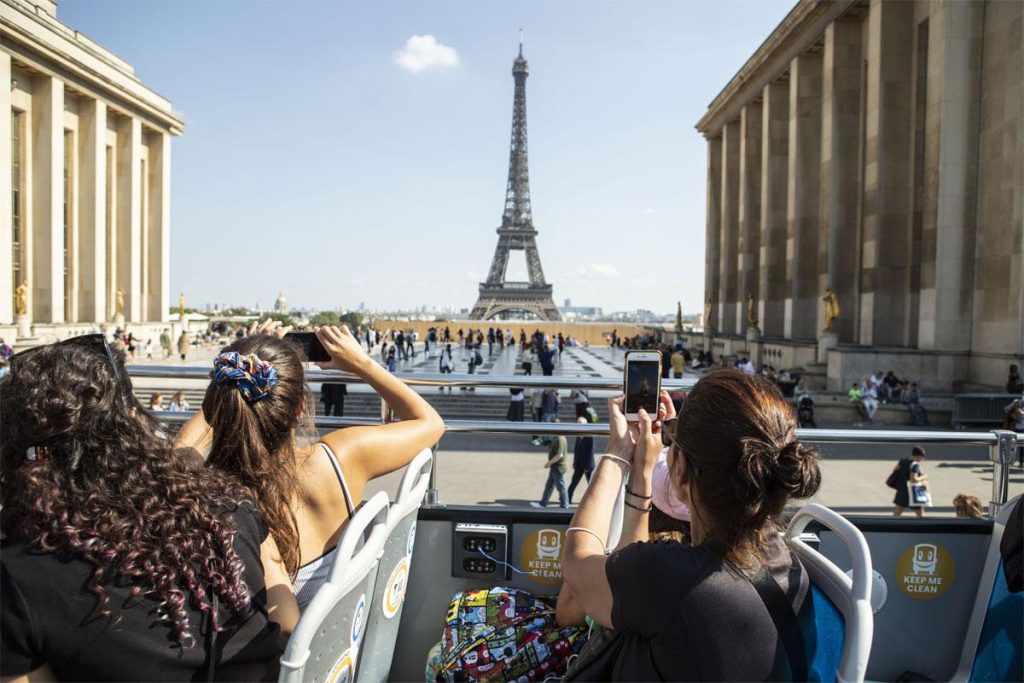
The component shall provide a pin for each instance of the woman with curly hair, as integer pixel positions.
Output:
(120, 560)
(683, 612)
(254, 424)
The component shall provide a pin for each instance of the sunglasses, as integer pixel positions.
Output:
(95, 343)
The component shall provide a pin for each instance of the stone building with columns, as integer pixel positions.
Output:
(86, 153)
(872, 149)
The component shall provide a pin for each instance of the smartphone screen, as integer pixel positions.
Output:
(643, 379)
(311, 346)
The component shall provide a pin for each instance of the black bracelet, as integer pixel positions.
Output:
(635, 507)
(637, 494)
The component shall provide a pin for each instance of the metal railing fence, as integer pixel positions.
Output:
(1001, 444)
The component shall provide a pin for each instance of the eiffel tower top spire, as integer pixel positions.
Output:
(518, 213)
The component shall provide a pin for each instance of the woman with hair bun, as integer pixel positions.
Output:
(117, 555)
(695, 612)
(255, 424)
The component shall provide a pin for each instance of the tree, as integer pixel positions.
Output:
(283, 317)
(325, 318)
(353, 320)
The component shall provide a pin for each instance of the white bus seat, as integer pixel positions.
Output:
(393, 572)
(994, 642)
(837, 621)
(326, 642)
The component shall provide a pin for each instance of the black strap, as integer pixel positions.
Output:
(211, 639)
(781, 612)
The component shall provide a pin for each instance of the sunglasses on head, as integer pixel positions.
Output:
(95, 343)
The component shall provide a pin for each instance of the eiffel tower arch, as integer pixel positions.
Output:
(498, 296)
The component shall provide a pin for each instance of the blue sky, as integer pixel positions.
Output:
(316, 162)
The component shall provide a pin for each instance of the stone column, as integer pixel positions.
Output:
(802, 200)
(840, 171)
(47, 204)
(129, 267)
(159, 225)
(6, 235)
(950, 171)
(748, 261)
(729, 283)
(92, 215)
(713, 235)
(774, 188)
(886, 262)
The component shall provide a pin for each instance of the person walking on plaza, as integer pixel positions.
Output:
(547, 360)
(333, 396)
(536, 410)
(581, 401)
(447, 364)
(582, 459)
(400, 343)
(183, 343)
(490, 341)
(907, 471)
(556, 473)
(392, 359)
(549, 409)
(165, 343)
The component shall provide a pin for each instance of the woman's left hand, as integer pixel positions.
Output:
(269, 326)
(648, 442)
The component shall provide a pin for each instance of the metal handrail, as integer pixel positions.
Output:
(424, 379)
(1001, 443)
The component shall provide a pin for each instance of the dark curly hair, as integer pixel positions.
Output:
(255, 441)
(85, 473)
(740, 433)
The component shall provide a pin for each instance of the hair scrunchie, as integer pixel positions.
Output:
(252, 376)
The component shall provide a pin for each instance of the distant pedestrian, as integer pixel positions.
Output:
(447, 364)
(516, 401)
(536, 410)
(165, 343)
(1014, 421)
(547, 360)
(183, 343)
(908, 471)
(332, 394)
(582, 459)
(490, 341)
(581, 401)
(917, 412)
(179, 404)
(5, 351)
(556, 467)
(1014, 383)
(549, 408)
(156, 402)
(392, 359)
(678, 361)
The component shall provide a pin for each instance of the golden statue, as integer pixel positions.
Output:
(119, 302)
(707, 315)
(181, 304)
(831, 308)
(751, 310)
(21, 299)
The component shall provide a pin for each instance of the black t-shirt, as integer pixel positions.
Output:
(48, 616)
(683, 614)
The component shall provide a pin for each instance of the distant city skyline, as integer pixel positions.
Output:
(353, 153)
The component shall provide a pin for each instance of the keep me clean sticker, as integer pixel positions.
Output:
(925, 571)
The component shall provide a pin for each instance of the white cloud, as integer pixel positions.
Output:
(473, 276)
(424, 52)
(649, 211)
(599, 271)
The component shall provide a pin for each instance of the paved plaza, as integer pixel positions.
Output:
(508, 470)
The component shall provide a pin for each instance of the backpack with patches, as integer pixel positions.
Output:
(504, 634)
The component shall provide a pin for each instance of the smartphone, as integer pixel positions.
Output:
(311, 346)
(642, 383)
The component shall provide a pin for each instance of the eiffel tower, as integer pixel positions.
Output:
(500, 298)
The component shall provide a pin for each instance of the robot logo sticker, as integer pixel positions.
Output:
(358, 617)
(412, 539)
(549, 544)
(924, 558)
(342, 671)
(925, 571)
(394, 592)
(540, 556)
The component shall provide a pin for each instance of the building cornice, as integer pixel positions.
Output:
(51, 47)
(798, 31)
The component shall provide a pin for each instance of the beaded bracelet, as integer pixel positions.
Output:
(637, 495)
(636, 507)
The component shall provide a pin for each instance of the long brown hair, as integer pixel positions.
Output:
(255, 441)
(740, 433)
(84, 472)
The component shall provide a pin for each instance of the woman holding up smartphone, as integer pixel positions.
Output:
(734, 461)
(251, 417)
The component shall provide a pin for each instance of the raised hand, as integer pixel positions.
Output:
(269, 326)
(346, 352)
